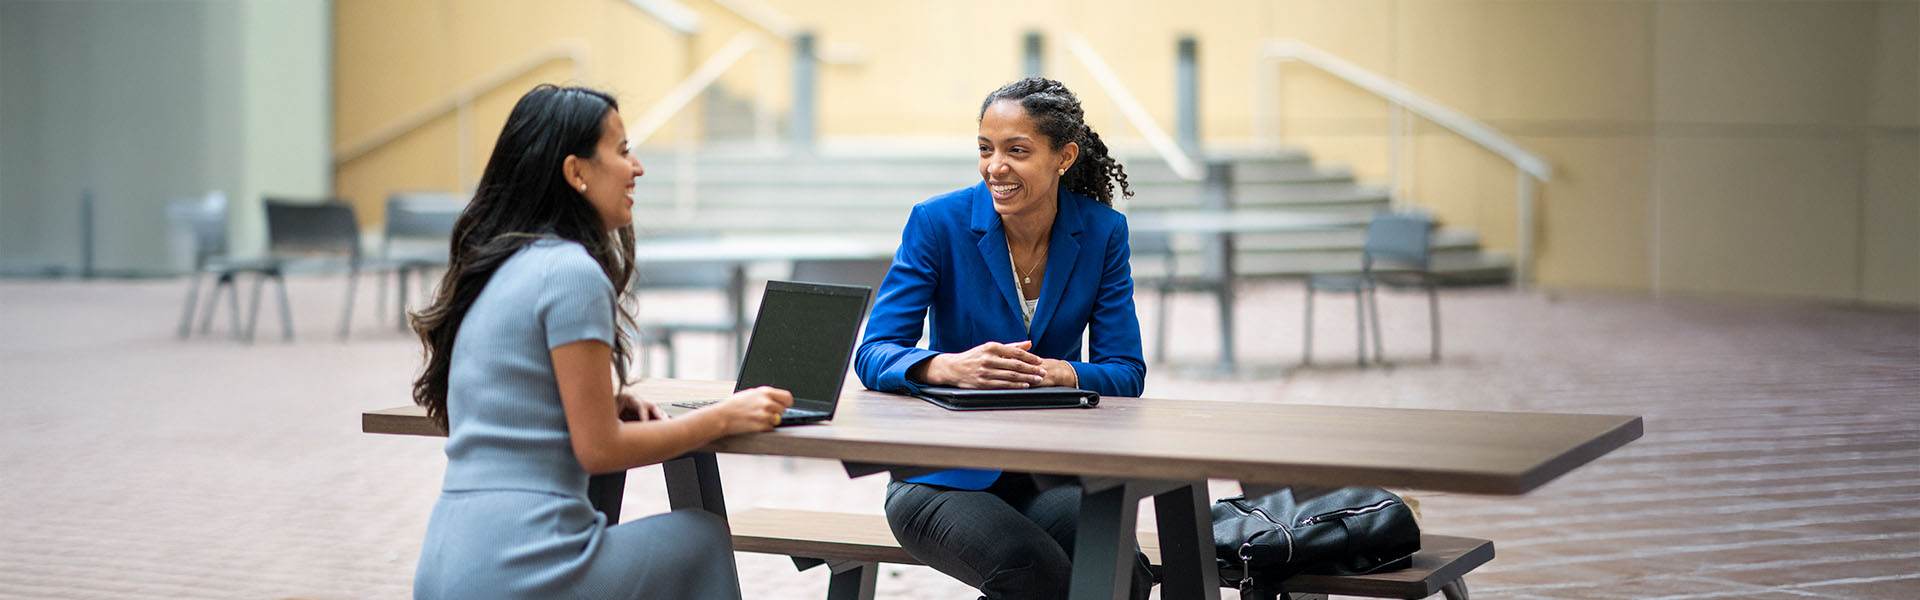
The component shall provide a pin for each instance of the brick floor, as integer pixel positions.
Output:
(1781, 459)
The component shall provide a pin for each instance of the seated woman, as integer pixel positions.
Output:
(1012, 270)
(522, 352)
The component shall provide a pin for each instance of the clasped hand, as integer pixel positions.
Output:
(994, 365)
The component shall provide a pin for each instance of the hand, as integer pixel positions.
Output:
(990, 365)
(751, 410)
(633, 408)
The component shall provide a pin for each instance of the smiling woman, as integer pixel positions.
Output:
(523, 355)
(1008, 273)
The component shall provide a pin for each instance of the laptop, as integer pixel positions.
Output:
(802, 342)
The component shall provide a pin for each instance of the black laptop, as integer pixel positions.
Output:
(803, 341)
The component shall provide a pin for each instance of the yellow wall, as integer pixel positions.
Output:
(1755, 147)
(1747, 147)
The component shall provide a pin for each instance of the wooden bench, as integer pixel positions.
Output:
(852, 544)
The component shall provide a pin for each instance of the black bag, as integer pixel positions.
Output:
(1348, 531)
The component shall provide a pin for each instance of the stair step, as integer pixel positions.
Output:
(1463, 266)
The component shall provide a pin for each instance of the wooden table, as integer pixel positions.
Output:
(1131, 448)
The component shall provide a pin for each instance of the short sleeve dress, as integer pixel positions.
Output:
(513, 520)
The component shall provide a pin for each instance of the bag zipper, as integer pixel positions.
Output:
(1347, 512)
(1246, 509)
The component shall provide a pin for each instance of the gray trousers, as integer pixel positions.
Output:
(1011, 541)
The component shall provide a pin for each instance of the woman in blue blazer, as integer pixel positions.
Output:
(1008, 273)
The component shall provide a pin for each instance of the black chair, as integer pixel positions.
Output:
(298, 229)
(1398, 252)
(1156, 248)
(716, 276)
(867, 272)
(418, 233)
(207, 219)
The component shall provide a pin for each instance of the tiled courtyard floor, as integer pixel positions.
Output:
(1781, 458)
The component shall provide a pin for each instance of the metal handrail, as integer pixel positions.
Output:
(674, 15)
(696, 82)
(1530, 167)
(1136, 114)
(461, 98)
(786, 29)
(1480, 133)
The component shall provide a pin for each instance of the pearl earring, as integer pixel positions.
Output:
(1063, 171)
(583, 187)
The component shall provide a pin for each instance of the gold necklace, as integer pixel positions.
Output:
(1027, 278)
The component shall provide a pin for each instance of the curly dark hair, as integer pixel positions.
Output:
(1057, 113)
(522, 197)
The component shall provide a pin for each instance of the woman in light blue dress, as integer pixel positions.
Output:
(524, 353)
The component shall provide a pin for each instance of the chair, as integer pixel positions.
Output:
(207, 219)
(305, 228)
(1156, 246)
(418, 232)
(691, 275)
(1403, 243)
(867, 272)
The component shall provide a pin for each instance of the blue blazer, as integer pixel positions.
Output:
(953, 263)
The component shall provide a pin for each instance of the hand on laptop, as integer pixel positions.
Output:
(632, 408)
(751, 410)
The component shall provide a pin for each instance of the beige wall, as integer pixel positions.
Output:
(1748, 147)
(1752, 147)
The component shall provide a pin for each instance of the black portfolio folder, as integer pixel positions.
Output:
(952, 398)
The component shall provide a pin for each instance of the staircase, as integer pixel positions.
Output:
(868, 197)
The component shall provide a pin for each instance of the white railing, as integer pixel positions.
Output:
(674, 15)
(785, 28)
(1135, 113)
(460, 101)
(696, 82)
(1530, 169)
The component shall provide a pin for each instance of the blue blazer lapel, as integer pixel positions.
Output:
(1062, 255)
(993, 247)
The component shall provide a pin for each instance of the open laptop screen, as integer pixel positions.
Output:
(803, 340)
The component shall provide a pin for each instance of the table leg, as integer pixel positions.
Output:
(1186, 546)
(1103, 554)
(737, 305)
(693, 481)
(852, 580)
(605, 493)
(1226, 270)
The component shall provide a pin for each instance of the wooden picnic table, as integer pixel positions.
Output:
(1132, 448)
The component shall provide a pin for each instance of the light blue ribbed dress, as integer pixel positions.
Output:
(513, 520)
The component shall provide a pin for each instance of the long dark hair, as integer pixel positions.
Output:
(522, 198)
(1056, 111)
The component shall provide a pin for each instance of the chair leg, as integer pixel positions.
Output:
(253, 307)
(1373, 317)
(401, 274)
(666, 343)
(186, 316)
(223, 282)
(286, 310)
(1306, 351)
(346, 316)
(1433, 317)
(380, 288)
(1360, 324)
(1160, 328)
(233, 305)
